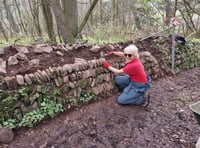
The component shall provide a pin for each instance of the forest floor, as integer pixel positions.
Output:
(166, 123)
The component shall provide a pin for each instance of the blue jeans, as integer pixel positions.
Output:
(133, 93)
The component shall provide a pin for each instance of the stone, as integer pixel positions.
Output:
(11, 82)
(42, 77)
(93, 83)
(65, 79)
(96, 90)
(95, 48)
(2, 67)
(58, 71)
(79, 60)
(49, 74)
(2, 51)
(22, 49)
(21, 56)
(47, 49)
(58, 81)
(38, 50)
(146, 53)
(34, 63)
(86, 74)
(75, 67)
(7, 135)
(45, 75)
(72, 77)
(32, 77)
(60, 53)
(66, 69)
(41, 45)
(68, 47)
(37, 77)
(107, 77)
(111, 47)
(12, 60)
(20, 79)
(71, 84)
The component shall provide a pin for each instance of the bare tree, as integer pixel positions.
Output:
(190, 14)
(91, 15)
(34, 9)
(100, 10)
(87, 16)
(114, 4)
(48, 18)
(10, 16)
(136, 16)
(3, 31)
(71, 15)
(65, 32)
(21, 20)
(168, 12)
(175, 8)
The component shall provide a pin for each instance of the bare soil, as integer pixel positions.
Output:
(166, 123)
(52, 59)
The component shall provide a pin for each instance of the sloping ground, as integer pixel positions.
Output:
(166, 123)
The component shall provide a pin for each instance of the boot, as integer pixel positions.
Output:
(146, 99)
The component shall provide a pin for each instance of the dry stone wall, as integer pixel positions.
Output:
(71, 80)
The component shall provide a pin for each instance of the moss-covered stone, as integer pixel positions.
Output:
(83, 83)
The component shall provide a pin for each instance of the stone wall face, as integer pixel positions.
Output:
(89, 74)
(82, 74)
(71, 80)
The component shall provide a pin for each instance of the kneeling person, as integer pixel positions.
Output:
(132, 77)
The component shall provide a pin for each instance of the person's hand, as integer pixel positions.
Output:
(106, 64)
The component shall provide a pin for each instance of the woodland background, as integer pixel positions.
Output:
(99, 21)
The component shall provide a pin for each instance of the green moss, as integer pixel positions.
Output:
(84, 83)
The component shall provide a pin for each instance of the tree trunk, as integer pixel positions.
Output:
(10, 17)
(21, 23)
(87, 16)
(48, 18)
(34, 7)
(136, 17)
(100, 11)
(91, 16)
(189, 14)
(3, 31)
(65, 32)
(168, 12)
(186, 22)
(113, 12)
(71, 15)
(175, 8)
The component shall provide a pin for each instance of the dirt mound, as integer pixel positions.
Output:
(64, 54)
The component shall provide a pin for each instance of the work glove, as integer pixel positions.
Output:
(110, 52)
(106, 64)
